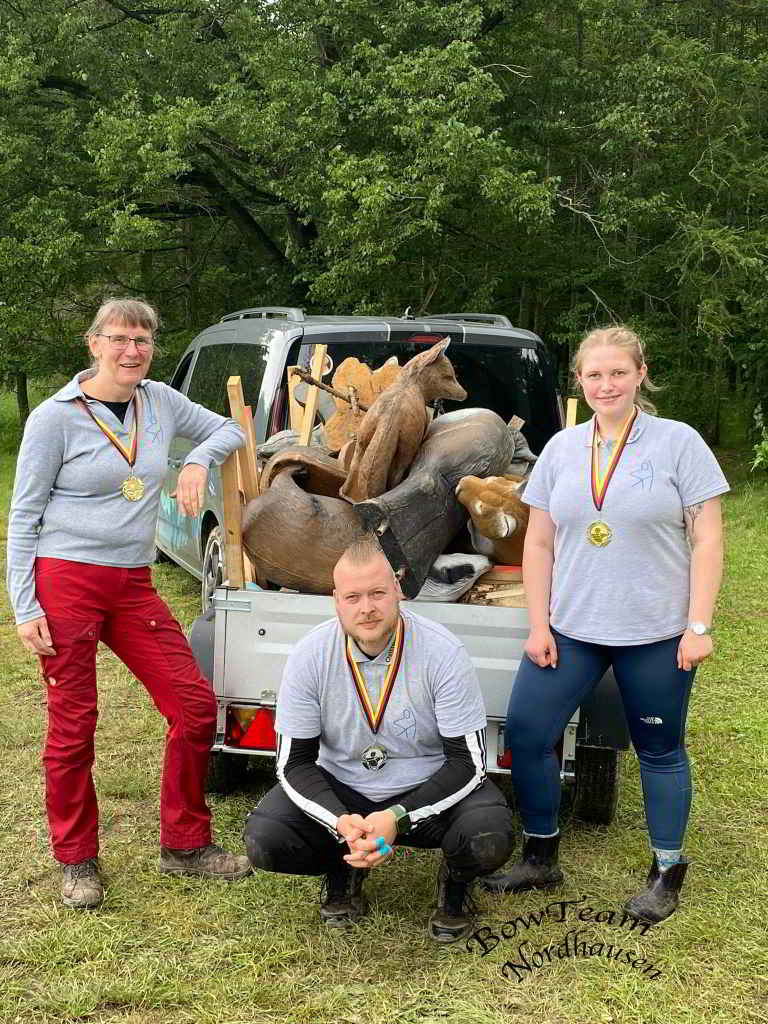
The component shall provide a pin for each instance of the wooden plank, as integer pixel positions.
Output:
(232, 513)
(246, 456)
(310, 408)
(294, 409)
(502, 574)
(570, 413)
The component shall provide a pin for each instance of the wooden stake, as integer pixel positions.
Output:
(310, 407)
(246, 456)
(570, 414)
(232, 511)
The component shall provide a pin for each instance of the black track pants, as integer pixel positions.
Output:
(476, 835)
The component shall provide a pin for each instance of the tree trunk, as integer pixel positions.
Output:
(22, 397)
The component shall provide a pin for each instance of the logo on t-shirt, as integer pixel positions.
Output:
(405, 724)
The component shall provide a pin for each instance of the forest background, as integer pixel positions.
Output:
(567, 164)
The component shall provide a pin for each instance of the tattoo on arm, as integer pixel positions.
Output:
(691, 514)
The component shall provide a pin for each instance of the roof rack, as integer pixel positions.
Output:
(266, 313)
(492, 319)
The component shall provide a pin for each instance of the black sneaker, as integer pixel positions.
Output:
(343, 902)
(81, 885)
(454, 915)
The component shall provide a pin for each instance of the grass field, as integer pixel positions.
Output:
(170, 951)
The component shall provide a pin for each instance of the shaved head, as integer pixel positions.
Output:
(367, 595)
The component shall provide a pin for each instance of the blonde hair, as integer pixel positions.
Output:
(126, 311)
(618, 337)
(363, 550)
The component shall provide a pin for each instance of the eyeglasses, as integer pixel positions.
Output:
(120, 341)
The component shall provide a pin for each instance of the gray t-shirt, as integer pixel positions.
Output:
(436, 693)
(66, 499)
(634, 590)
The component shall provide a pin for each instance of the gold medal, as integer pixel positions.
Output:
(600, 534)
(132, 488)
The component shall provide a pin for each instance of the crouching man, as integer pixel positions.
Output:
(381, 741)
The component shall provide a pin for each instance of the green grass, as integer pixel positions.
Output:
(165, 950)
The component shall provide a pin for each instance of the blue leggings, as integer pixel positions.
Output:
(655, 695)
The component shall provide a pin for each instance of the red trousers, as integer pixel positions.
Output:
(86, 603)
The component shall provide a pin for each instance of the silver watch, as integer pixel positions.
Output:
(700, 628)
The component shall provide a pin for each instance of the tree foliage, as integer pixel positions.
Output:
(566, 164)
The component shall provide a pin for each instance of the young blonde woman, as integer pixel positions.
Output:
(622, 565)
(80, 539)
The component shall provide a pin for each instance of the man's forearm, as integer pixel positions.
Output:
(462, 772)
(304, 783)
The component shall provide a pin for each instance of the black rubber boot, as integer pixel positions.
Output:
(453, 917)
(538, 868)
(661, 895)
(344, 902)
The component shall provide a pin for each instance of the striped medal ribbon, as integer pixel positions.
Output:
(132, 488)
(599, 533)
(374, 716)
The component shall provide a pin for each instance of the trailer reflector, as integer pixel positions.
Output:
(251, 728)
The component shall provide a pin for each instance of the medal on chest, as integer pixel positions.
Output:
(132, 488)
(375, 756)
(599, 532)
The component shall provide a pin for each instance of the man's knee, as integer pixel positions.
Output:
(483, 837)
(265, 841)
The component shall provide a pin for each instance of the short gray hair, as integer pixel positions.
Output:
(126, 311)
(363, 550)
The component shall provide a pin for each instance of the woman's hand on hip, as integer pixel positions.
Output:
(190, 488)
(692, 650)
(541, 647)
(36, 637)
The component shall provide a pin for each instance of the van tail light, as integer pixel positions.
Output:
(250, 728)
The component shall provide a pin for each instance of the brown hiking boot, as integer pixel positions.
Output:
(81, 885)
(209, 861)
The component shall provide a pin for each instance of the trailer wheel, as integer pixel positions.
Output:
(214, 568)
(597, 784)
(226, 772)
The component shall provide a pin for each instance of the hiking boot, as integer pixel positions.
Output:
(661, 895)
(453, 917)
(537, 870)
(209, 861)
(81, 885)
(344, 902)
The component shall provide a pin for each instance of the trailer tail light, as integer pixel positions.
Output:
(503, 757)
(250, 728)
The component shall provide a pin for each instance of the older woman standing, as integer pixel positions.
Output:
(80, 539)
(622, 564)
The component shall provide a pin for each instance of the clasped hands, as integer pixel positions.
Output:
(369, 839)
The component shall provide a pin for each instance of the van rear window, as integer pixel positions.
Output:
(509, 379)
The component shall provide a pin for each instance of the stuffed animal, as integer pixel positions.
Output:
(392, 430)
(498, 518)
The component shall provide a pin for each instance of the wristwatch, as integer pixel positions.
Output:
(700, 628)
(402, 818)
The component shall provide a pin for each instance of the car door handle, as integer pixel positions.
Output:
(174, 463)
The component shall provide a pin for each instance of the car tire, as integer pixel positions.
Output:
(214, 568)
(226, 772)
(597, 785)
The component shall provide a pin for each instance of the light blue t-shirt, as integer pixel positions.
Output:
(436, 693)
(636, 589)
